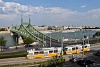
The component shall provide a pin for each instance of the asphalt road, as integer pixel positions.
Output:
(88, 55)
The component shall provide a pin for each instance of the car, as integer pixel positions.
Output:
(85, 62)
(97, 53)
(28, 45)
(75, 59)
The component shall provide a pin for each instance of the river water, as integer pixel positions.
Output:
(57, 35)
(73, 35)
(10, 40)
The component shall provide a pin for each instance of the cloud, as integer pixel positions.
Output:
(11, 12)
(1, 1)
(83, 6)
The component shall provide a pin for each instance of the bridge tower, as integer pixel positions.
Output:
(20, 39)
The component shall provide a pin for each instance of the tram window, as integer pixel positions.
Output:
(41, 52)
(50, 51)
(55, 51)
(65, 49)
(69, 50)
(76, 47)
(82, 46)
(30, 53)
(85, 46)
(36, 53)
(73, 48)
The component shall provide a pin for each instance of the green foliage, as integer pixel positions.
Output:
(2, 41)
(55, 62)
(96, 34)
(28, 40)
(23, 54)
(3, 29)
(85, 36)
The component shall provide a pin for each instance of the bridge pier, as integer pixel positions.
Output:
(20, 40)
(11, 34)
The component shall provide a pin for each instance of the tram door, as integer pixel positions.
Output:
(69, 51)
(46, 53)
(31, 55)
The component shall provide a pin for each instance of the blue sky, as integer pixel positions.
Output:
(51, 12)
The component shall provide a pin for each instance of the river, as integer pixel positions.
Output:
(10, 40)
(57, 35)
(73, 35)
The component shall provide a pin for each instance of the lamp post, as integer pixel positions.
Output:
(50, 39)
(16, 43)
(88, 37)
(61, 43)
(83, 43)
(43, 40)
(38, 41)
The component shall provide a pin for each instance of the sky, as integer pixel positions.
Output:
(50, 12)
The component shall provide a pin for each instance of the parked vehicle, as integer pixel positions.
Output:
(85, 62)
(97, 53)
(28, 45)
(75, 59)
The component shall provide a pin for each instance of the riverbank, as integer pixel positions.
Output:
(4, 32)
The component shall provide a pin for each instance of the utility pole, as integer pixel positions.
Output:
(38, 41)
(43, 40)
(89, 37)
(16, 42)
(61, 43)
(50, 39)
(83, 43)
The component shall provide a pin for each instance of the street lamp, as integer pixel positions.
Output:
(83, 43)
(61, 43)
(16, 43)
(43, 40)
(38, 41)
(88, 39)
(50, 39)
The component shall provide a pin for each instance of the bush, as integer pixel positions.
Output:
(23, 54)
(55, 62)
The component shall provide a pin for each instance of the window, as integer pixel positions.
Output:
(55, 51)
(82, 46)
(36, 53)
(50, 51)
(85, 46)
(41, 52)
(69, 50)
(73, 48)
(30, 53)
(65, 49)
(76, 47)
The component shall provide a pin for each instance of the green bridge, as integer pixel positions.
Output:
(26, 29)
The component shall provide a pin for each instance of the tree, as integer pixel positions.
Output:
(85, 36)
(96, 34)
(2, 42)
(28, 40)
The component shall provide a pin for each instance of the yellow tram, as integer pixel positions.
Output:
(42, 53)
(57, 51)
(74, 49)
